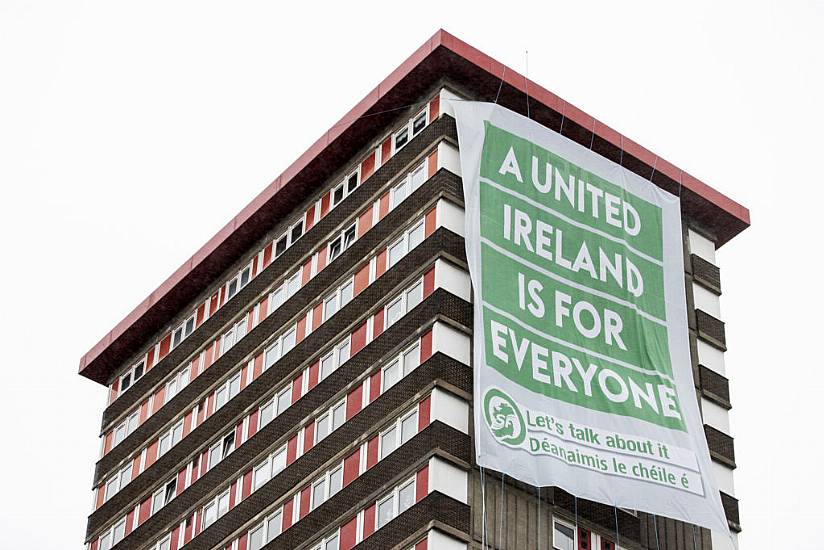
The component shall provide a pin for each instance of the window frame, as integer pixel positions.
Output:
(400, 361)
(409, 128)
(341, 239)
(556, 522)
(395, 496)
(330, 415)
(326, 480)
(397, 426)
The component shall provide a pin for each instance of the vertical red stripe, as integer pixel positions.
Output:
(258, 366)
(292, 450)
(175, 538)
(247, 485)
(107, 443)
(301, 331)
(310, 217)
(348, 533)
(422, 484)
(181, 480)
(362, 279)
(424, 412)
(584, 542)
(422, 545)
(432, 164)
(267, 256)
(354, 401)
(365, 221)
(324, 204)
(297, 387)
(232, 494)
(314, 373)
(384, 206)
(304, 501)
(243, 541)
(253, 423)
(374, 386)
(151, 454)
(377, 324)
(238, 434)
(429, 282)
(351, 467)
(307, 272)
(359, 339)
(367, 167)
(165, 344)
(426, 345)
(159, 398)
(386, 150)
(254, 266)
(150, 359)
(145, 508)
(380, 267)
(129, 521)
(322, 255)
(308, 437)
(317, 317)
(430, 222)
(187, 423)
(136, 465)
(287, 514)
(144, 412)
(369, 521)
(263, 309)
(113, 391)
(434, 108)
(101, 495)
(372, 452)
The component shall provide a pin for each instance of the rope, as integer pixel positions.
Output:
(617, 533)
(483, 509)
(655, 524)
(501, 85)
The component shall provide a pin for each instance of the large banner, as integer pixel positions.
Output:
(583, 377)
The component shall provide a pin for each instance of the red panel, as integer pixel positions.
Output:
(222, 299)
(239, 433)
(101, 496)
(165, 344)
(195, 467)
(287, 513)
(426, 345)
(386, 150)
(380, 267)
(429, 223)
(247, 485)
(253, 423)
(181, 480)
(317, 317)
(314, 372)
(292, 450)
(129, 521)
(348, 534)
(365, 221)
(367, 167)
(254, 266)
(372, 452)
(422, 484)
(187, 423)
(377, 325)
(310, 217)
(351, 466)
(267, 255)
(241, 543)
(362, 279)
(150, 359)
(301, 332)
(144, 412)
(95, 542)
(384, 206)
(151, 454)
(297, 387)
(175, 538)
(424, 412)
(607, 544)
(369, 521)
(198, 519)
(374, 386)
(263, 309)
(136, 465)
(432, 165)
(324, 204)
(307, 272)
(201, 412)
(159, 399)
(208, 357)
(194, 367)
(258, 366)
(187, 532)
(243, 374)
(359, 339)
(145, 508)
(354, 401)
(434, 108)
(213, 306)
(584, 539)
(422, 545)
(107, 443)
(429, 282)
(113, 390)
(210, 405)
(304, 501)
(308, 437)
(322, 255)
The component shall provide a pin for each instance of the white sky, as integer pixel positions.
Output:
(131, 132)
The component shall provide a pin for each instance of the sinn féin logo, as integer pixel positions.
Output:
(504, 418)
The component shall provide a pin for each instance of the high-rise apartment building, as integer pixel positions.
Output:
(305, 379)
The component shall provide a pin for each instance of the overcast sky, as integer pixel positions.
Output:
(131, 132)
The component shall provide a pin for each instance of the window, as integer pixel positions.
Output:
(338, 356)
(411, 129)
(391, 374)
(408, 185)
(330, 542)
(215, 509)
(399, 433)
(170, 438)
(269, 468)
(106, 541)
(396, 503)
(131, 376)
(339, 298)
(119, 531)
(279, 461)
(342, 242)
(411, 359)
(163, 496)
(126, 381)
(221, 449)
(256, 538)
(293, 284)
(325, 487)
(563, 536)
(330, 420)
(394, 311)
(419, 122)
(284, 399)
(347, 186)
(274, 525)
(272, 354)
(125, 428)
(409, 240)
(276, 298)
(177, 383)
(183, 331)
(401, 138)
(296, 232)
(403, 303)
(163, 544)
(262, 474)
(267, 413)
(233, 335)
(239, 281)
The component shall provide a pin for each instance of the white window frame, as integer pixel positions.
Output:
(395, 496)
(118, 481)
(334, 421)
(238, 278)
(555, 523)
(164, 492)
(338, 357)
(409, 128)
(344, 186)
(269, 464)
(403, 299)
(163, 544)
(235, 334)
(341, 237)
(183, 331)
(407, 184)
(405, 241)
(176, 384)
(326, 480)
(220, 448)
(339, 298)
(397, 426)
(323, 544)
(400, 361)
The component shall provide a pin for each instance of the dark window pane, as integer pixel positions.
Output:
(244, 276)
(280, 247)
(352, 182)
(297, 231)
(419, 123)
(349, 237)
(401, 138)
(138, 371)
(337, 196)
